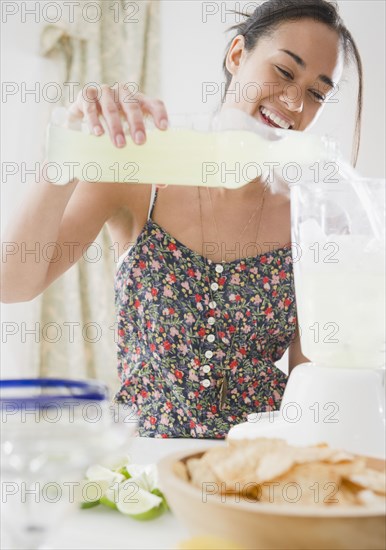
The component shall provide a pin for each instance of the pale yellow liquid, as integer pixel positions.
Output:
(341, 306)
(230, 158)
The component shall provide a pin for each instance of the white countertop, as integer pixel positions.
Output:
(101, 528)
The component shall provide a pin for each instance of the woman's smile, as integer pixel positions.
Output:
(274, 118)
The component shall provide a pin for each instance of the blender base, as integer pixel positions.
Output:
(343, 407)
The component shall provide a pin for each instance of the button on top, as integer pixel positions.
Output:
(214, 286)
(206, 369)
(212, 305)
(219, 268)
(209, 354)
(206, 383)
(211, 320)
(210, 337)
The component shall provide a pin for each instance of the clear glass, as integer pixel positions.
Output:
(201, 122)
(226, 149)
(338, 234)
(52, 430)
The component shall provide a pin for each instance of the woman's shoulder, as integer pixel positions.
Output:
(119, 197)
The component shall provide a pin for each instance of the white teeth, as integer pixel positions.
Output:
(277, 120)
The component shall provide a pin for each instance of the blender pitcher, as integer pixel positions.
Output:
(339, 267)
(338, 233)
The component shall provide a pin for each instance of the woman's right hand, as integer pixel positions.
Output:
(112, 103)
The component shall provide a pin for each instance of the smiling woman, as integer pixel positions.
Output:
(198, 337)
(295, 52)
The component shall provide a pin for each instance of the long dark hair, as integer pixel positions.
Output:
(268, 16)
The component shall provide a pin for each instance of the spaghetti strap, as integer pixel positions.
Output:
(153, 198)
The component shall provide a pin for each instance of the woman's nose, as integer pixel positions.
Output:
(292, 96)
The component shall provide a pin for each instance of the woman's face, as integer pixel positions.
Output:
(288, 75)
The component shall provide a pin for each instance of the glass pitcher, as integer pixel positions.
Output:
(338, 234)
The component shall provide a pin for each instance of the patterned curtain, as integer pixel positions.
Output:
(119, 42)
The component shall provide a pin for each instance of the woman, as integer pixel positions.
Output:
(202, 315)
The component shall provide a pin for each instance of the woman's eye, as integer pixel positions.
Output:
(318, 96)
(285, 73)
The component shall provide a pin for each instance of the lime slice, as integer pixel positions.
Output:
(124, 472)
(115, 463)
(160, 494)
(135, 501)
(154, 512)
(107, 502)
(151, 514)
(88, 492)
(92, 504)
(100, 473)
(144, 476)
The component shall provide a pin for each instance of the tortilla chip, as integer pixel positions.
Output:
(242, 460)
(370, 479)
(199, 472)
(270, 470)
(275, 464)
(368, 498)
(181, 471)
(314, 484)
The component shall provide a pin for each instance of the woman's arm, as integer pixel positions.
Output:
(295, 355)
(51, 230)
(55, 224)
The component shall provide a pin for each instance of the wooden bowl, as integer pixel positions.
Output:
(258, 526)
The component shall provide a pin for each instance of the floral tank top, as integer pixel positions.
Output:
(198, 340)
